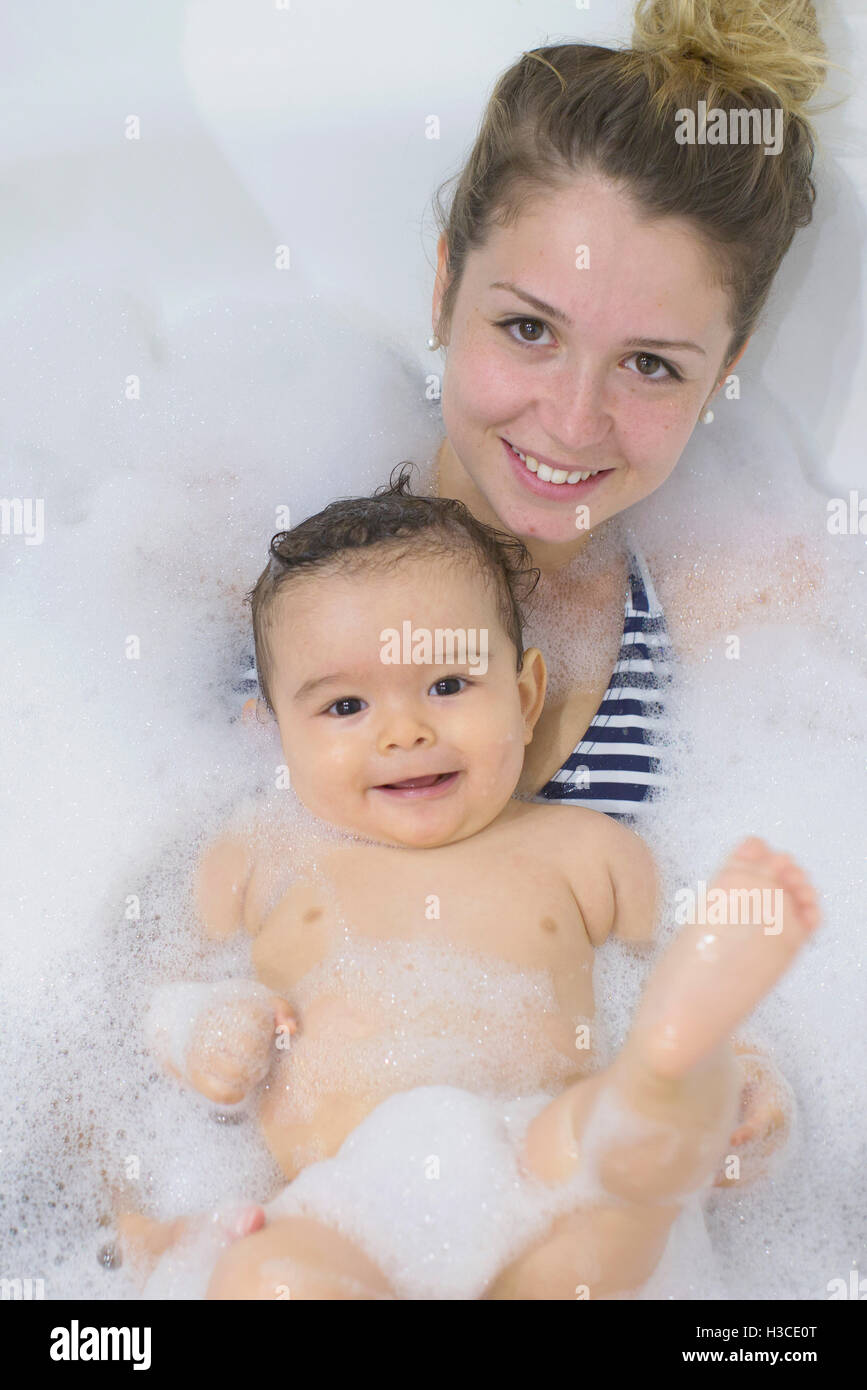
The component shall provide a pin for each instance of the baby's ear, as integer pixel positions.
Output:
(532, 682)
(256, 710)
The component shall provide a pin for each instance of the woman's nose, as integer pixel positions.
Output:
(575, 413)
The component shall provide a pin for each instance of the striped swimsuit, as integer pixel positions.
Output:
(618, 764)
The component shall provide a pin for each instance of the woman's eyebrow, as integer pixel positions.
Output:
(663, 343)
(559, 317)
(547, 309)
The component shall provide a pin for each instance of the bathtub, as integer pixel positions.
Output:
(216, 276)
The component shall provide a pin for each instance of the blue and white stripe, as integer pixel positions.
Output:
(620, 762)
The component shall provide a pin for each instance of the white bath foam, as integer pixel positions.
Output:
(423, 1013)
(773, 743)
(428, 1185)
(769, 738)
(120, 754)
(688, 1267)
(155, 526)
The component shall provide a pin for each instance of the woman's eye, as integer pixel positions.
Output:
(651, 365)
(449, 685)
(532, 324)
(347, 706)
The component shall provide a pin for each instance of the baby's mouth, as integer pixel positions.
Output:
(430, 785)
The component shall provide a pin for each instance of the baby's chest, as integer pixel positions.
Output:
(521, 916)
(526, 918)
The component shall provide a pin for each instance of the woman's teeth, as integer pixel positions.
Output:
(552, 475)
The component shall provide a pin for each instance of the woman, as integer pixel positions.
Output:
(597, 282)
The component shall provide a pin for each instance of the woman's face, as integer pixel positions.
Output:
(610, 384)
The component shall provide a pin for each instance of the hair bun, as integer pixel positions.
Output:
(731, 46)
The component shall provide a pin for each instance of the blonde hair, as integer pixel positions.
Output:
(577, 108)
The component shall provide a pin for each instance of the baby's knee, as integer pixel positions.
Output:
(238, 1272)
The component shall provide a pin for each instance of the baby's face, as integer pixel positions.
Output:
(402, 752)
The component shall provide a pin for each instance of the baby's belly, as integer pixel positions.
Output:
(372, 1024)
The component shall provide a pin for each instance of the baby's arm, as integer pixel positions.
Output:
(612, 874)
(221, 1037)
(222, 878)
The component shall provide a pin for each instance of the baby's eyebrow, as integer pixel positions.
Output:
(315, 681)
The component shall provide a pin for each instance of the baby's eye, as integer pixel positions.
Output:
(449, 685)
(350, 704)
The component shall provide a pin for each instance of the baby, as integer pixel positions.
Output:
(442, 1108)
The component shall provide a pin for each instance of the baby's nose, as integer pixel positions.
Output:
(405, 730)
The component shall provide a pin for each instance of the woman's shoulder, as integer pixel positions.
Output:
(708, 594)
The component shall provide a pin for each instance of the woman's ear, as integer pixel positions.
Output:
(532, 683)
(440, 283)
(726, 372)
(734, 361)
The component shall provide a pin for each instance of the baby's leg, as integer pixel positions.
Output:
(291, 1257)
(657, 1120)
(295, 1257)
(141, 1240)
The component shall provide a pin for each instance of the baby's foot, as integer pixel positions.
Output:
(760, 910)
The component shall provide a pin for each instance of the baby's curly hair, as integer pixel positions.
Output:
(397, 523)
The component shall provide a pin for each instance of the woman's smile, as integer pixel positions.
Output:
(558, 483)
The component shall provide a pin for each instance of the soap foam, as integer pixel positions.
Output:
(125, 760)
(439, 1016)
(429, 1186)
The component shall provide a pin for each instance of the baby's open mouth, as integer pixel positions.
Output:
(432, 782)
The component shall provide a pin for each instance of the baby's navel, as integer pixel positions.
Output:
(548, 924)
(312, 914)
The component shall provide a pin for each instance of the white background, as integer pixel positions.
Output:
(306, 126)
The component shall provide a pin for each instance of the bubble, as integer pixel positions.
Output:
(124, 755)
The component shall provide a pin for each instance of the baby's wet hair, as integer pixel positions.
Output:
(387, 528)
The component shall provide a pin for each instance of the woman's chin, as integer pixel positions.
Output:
(536, 526)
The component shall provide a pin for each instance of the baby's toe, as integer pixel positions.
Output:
(751, 848)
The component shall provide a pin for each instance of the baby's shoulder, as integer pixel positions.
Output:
(220, 883)
(578, 831)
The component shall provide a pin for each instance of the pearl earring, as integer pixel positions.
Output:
(707, 417)
(433, 342)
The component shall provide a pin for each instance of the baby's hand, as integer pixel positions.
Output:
(766, 1106)
(221, 1038)
(233, 1045)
